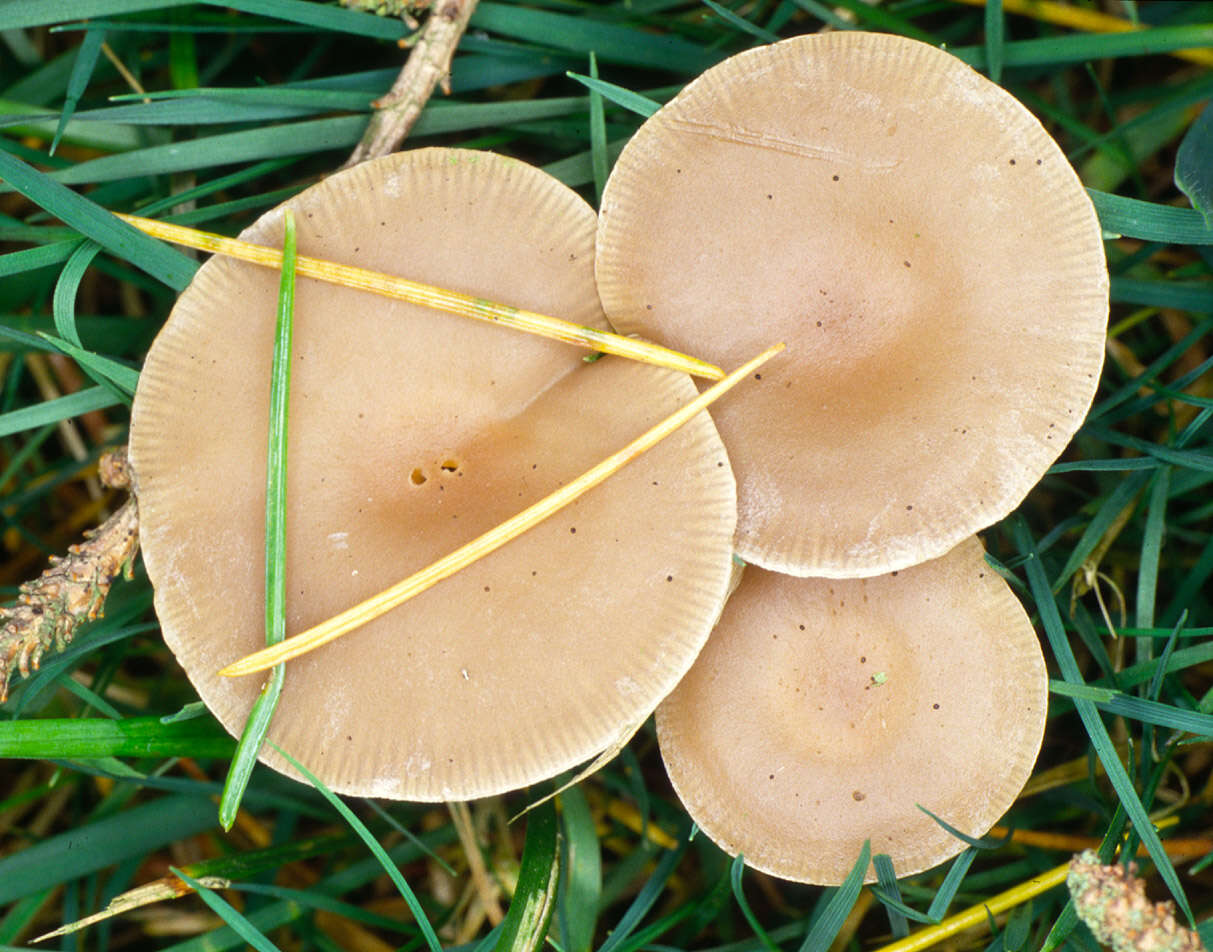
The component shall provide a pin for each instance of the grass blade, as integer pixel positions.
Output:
(101, 843)
(104, 370)
(582, 34)
(839, 907)
(951, 884)
(633, 102)
(1137, 219)
(64, 302)
(1050, 618)
(82, 71)
(1080, 47)
(338, 19)
(640, 906)
(526, 923)
(19, 14)
(127, 242)
(262, 713)
(598, 136)
(221, 907)
(48, 738)
(581, 875)
(740, 23)
(890, 895)
(60, 408)
(995, 24)
(1194, 165)
(1138, 708)
(372, 844)
(736, 870)
(1151, 548)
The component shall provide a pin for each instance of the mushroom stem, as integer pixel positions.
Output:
(492, 540)
(426, 295)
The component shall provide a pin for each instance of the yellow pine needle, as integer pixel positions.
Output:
(979, 915)
(492, 540)
(440, 299)
(1088, 21)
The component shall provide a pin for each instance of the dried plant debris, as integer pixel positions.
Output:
(1111, 900)
(427, 68)
(74, 588)
(389, 8)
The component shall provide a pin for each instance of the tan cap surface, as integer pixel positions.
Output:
(928, 255)
(822, 712)
(412, 432)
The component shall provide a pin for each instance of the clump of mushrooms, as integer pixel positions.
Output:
(937, 270)
(412, 432)
(930, 389)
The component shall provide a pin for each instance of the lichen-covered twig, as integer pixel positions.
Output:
(428, 66)
(74, 588)
(1112, 901)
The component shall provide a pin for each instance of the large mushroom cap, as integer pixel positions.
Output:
(926, 251)
(823, 713)
(412, 432)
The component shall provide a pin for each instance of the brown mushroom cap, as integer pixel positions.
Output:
(823, 712)
(412, 432)
(928, 255)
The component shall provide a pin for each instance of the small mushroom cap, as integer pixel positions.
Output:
(411, 433)
(823, 713)
(928, 255)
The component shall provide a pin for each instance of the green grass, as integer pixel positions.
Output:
(103, 789)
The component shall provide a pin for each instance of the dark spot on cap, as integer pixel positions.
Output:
(856, 796)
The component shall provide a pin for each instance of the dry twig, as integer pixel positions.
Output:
(1112, 901)
(428, 66)
(74, 588)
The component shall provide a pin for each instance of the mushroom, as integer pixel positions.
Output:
(823, 713)
(412, 432)
(925, 250)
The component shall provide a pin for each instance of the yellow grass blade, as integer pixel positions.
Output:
(1088, 21)
(492, 540)
(441, 299)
